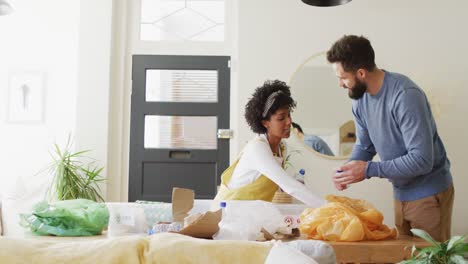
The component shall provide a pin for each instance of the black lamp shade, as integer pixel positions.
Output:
(326, 2)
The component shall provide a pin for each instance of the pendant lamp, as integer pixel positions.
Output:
(325, 2)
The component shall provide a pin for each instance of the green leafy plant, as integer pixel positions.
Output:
(451, 251)
(75, 175)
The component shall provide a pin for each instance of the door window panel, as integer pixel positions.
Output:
(180, 132)
(182, 86)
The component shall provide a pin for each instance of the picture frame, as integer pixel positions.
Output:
(26, 97)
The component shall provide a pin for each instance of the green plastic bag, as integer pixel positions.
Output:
(78, 217)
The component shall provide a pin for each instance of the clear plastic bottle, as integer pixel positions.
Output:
(299, 176)
(223, 232)
(222, 205)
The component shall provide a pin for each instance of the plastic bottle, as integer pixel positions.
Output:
(299, 176)
(222, 205)
(223, 232)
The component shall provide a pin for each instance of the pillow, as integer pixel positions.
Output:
(281, 253)
(320, 251)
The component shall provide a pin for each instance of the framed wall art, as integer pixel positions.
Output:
(26, 97)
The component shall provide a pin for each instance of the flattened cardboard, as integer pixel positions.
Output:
(182, 203)
(203, 226)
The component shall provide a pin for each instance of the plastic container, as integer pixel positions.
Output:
(126, 219)
(156, 212)
(168, 227)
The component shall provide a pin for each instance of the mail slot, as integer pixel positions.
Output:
(179, 154)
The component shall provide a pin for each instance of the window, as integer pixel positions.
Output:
(186, 20)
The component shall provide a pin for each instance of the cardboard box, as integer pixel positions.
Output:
(202, 225)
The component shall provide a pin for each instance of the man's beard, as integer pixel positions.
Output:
(358, 90)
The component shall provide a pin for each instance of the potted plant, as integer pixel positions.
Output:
(453, 250)
(75, 175)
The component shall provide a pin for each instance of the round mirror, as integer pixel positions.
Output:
(323, 110)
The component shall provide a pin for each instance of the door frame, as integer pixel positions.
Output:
(141, 63)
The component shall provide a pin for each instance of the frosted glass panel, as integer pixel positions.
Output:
(181, 86)
(181, 132)
(184, 20)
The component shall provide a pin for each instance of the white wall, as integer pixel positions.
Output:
(422, 39)
(94, 52)
(37, 37)
(68, 41)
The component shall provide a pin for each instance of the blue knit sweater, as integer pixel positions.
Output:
(397, 123)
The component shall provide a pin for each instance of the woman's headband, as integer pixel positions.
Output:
(270, 101)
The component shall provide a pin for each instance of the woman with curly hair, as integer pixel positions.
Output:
(258, 172)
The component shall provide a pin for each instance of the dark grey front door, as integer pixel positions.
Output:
(178, 105)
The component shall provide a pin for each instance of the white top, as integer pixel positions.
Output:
(257, 159)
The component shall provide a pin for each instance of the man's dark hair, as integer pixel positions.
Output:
(256, 105)
(298, 127)
(353, 52)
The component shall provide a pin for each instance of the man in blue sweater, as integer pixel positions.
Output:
(394, 120)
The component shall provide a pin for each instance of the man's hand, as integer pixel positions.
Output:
(340, 187)
(351, 172)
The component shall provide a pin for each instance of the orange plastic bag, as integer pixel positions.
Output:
(344, 219)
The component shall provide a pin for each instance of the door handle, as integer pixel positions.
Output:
(225, 133)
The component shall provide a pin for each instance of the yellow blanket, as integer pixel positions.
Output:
(160, 249)
(173, 248)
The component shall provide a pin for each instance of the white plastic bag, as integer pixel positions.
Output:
(243, 220)
(291, 213)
